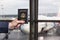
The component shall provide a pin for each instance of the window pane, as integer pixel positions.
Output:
(9, 11)
(9, 8)
(49, 10)
(48, 31)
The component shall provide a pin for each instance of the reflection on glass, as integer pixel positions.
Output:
(49, 30)
(45, 25)
(46, 30)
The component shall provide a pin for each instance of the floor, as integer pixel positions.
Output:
(17, 35)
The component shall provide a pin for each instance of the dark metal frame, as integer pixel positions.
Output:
(34, 21)
(33, 16)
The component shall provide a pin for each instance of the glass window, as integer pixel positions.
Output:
(9, 11)
(49, 10)
(9, 8)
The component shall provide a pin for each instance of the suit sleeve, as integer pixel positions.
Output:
(3, 27)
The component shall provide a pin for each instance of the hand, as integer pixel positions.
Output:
(15, 24)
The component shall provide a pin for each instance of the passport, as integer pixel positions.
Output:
(23, 15)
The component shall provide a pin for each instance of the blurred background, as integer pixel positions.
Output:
(47, 10)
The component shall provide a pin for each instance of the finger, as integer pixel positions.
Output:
(20, 21)
(18, 26)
